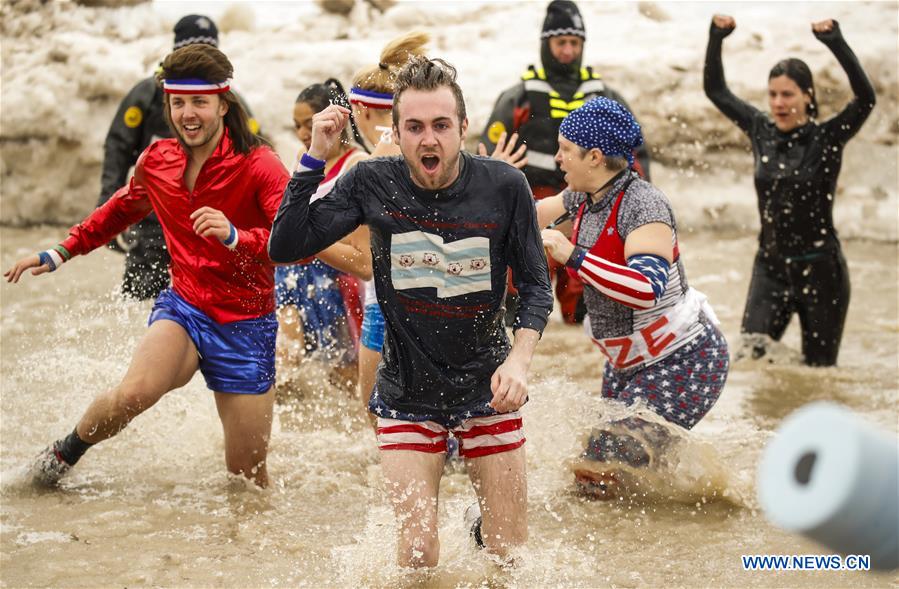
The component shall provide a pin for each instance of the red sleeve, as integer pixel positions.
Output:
(271, 180)
(127, 206)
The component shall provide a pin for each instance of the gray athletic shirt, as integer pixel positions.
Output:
(642, 204)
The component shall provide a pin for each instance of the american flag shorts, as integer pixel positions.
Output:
(477, 436)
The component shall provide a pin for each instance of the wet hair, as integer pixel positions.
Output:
(381, 77)
(798, 71)
(208, 63)
(421, 73)
(319, 96)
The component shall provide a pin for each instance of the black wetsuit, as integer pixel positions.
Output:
(440, 262)
(138, 122)
(799, 267)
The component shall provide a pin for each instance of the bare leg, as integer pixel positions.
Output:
(413, 483)
(247, 422)
(501, 484)
(165, 359)
(368, 372)
(291, 345)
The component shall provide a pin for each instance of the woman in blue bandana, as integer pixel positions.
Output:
(659, 336)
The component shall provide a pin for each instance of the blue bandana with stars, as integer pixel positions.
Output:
(604, 124)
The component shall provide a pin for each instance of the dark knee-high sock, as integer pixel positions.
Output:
(72, 447)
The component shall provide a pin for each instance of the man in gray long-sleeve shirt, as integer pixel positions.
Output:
(445, 229)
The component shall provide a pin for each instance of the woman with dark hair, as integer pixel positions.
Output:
(799, 267)
(319, 302)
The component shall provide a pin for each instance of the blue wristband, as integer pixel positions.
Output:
(232, 237)
(307, 161)
(45, 259)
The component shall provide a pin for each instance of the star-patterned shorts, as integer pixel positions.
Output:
(683, 387)
(479, 433)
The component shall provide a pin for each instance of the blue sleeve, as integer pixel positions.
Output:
(654, 268)
(576, 258)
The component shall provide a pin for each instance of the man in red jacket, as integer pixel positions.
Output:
(215, 189)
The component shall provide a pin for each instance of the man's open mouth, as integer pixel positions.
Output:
(430, 162)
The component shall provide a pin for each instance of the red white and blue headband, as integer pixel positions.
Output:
(370, 99)
(195, 86)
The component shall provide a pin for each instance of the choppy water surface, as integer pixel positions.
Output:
(155, 507)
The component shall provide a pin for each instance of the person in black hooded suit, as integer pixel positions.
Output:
(534, 109)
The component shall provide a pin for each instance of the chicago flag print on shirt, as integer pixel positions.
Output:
(422, 260)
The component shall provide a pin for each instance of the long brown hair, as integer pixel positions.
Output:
(208, 63)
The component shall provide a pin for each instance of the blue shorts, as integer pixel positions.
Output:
(237, 357)
(373, 328)
(288, 285)
(313, 289)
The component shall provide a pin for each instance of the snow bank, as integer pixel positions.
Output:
(65, 68)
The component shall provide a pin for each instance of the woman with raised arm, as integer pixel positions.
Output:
(319, 307)
(799, 267)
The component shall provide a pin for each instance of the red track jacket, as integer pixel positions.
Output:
(228, 285)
